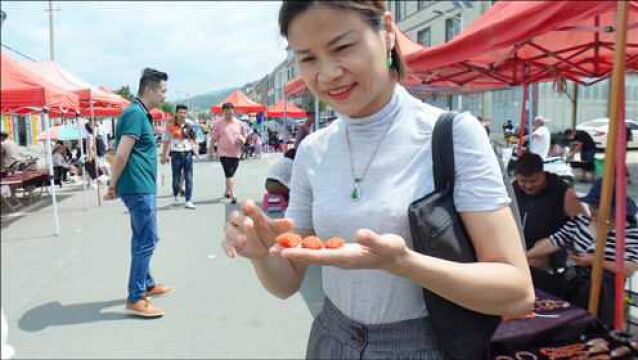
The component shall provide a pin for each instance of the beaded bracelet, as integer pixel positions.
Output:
(550, 305)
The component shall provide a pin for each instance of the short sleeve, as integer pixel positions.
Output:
(132, 124)
(478, 178)
(563, 236)
(300, 205)
(166, 135)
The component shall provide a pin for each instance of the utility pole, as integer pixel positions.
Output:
(50, 10)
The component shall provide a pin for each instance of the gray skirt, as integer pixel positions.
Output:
(335, 336)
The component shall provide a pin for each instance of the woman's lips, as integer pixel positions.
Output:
(341, 93)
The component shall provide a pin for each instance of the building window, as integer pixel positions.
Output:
(452, 27)
(424, 37)
(422, 4)
(399, 9)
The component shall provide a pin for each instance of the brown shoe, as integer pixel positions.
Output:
(158, 290)
(144, 308)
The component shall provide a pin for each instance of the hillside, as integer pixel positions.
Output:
(205, 101)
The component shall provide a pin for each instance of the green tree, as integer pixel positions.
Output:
(125, 92)
(167, 108)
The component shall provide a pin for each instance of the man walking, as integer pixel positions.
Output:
(179, 137)
(540, 140)
(229, 135)
(133, 179)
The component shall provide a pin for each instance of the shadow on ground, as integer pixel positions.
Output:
(9, 217)
(56, 314)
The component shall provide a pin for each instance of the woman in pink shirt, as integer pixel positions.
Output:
(229, 135)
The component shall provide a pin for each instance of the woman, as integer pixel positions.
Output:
(356, 179)
(578, 236)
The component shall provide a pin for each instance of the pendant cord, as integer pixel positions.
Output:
(356, 179)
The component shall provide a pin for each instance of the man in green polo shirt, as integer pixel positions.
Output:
(133, 179)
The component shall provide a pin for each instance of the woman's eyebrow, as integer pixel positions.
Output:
(334, 40)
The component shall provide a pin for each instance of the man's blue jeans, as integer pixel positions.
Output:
(142, 209)
(182, 162)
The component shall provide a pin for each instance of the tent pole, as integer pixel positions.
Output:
(617, 85)
(56, 219)
(620, 218)
(81, 131)
(93, 148)
(574, 105)
(523, 124)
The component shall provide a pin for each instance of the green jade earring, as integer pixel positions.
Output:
(388, 62)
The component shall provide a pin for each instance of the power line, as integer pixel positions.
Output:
(18, 52)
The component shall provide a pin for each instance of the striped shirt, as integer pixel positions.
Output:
(577, 236)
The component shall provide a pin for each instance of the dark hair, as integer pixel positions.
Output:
(371, 11)
(178, 107)
(291, 153)
(529, 164)
(151, 78)
(89, 127)
(59, 142)
(4, 136)
(569, 132)
(228, 105)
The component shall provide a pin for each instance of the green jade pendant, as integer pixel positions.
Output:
(355, 195)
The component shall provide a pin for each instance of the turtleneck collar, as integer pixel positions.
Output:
(386, 114)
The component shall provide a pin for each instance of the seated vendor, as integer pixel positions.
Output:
(278, 179)
(578, 237)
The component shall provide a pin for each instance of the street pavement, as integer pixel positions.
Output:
(64, 296)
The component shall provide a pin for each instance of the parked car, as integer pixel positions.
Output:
(598, 128)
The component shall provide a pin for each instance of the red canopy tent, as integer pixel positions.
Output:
(521, 42)
(294, 86)
(281, 109)
(23, 91)
(90, 96)
(159, 115)
(241, 102)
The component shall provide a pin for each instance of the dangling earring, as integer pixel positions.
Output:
(388, 61)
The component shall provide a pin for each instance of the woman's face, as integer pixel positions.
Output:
(342, 59)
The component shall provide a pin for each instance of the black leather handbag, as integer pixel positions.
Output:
(437, 230)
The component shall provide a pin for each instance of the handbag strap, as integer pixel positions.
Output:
(443, 152)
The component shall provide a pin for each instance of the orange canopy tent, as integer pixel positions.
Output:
(241, 102)
(22, 91)
(90, 96)
(282, 109)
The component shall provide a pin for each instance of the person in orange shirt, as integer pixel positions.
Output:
(179, 137)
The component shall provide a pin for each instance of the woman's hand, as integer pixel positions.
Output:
(251, 233)
(370, 251)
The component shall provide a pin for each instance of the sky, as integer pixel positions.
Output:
(203, 46)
